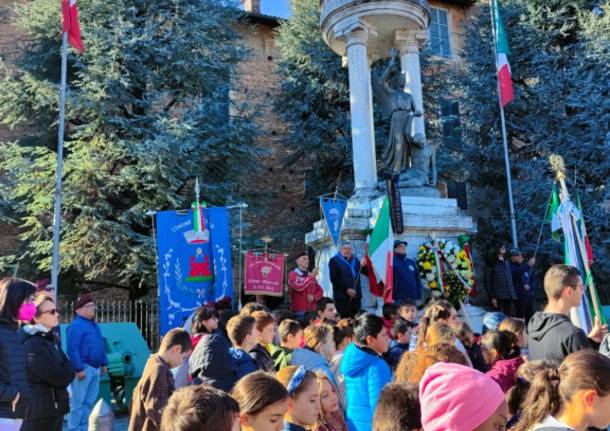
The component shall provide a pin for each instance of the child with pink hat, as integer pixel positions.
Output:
(458, 398)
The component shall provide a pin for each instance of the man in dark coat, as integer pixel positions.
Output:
(499, 283)
(156, 385)
(407, 284)
(550, 333)
(345, 270)
(521, 274)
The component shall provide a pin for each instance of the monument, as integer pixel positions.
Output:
(362, 32)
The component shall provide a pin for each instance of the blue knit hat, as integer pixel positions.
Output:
(492, 320)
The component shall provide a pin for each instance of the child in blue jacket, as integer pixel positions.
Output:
(365, 371)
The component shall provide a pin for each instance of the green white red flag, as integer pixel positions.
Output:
(505, 82)
(380, 255)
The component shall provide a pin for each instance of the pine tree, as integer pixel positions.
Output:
(147, 111)
(315, 100)
(560, 61)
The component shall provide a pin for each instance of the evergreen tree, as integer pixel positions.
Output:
(560, 60)
(315, 101)
(147, 111)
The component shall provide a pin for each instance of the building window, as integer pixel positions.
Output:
(440, 36)
(450, 122)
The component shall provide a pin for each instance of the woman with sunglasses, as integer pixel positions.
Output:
(49, 370)
(16, 306)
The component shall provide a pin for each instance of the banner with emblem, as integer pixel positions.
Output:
(264, 274)
(194, 262)
(334, 211)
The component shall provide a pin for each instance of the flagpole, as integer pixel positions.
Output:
(60, 156)
(558, 166)
(513, 221)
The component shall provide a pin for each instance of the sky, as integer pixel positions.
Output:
(279, 8)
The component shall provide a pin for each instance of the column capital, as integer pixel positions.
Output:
(356, 31)
(409, 41)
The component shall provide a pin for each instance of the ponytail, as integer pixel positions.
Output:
(438, 310)
(543, 399)
(424, 323)
(526, 373)
(551, 388)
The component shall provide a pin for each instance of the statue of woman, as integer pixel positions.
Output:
(399, 106)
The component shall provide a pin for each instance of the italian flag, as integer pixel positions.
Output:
(380, 254)
(70, 24)
(505, 82)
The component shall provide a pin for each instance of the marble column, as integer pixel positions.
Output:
(408, 43)
(361, 107)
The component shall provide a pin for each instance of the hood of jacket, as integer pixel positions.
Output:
(356, 359)
(309, 359)
(541, 323)
(240, 356)
(38, 330)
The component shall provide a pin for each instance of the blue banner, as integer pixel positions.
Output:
(333, 210)
(194, 262)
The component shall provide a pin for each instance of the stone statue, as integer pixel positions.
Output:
(423, 164)
(399, 106)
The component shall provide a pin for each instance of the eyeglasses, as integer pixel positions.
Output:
(53, 311)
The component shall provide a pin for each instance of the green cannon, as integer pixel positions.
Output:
(127, 353)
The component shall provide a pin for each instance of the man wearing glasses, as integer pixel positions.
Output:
(45, 287)
(88, 355)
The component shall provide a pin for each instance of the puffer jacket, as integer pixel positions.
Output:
(244, 363)
(13, 378)
(212, 364)
(498, 280)
(365, 373)
(86, 344)
(49, 373)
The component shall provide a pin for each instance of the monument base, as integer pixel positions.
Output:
(425, 218)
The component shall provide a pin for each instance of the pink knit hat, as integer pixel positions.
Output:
(456, 398)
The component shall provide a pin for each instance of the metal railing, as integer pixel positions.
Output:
(143, 312)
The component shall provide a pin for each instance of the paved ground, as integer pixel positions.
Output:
(120, 423)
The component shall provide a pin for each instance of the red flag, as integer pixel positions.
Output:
(70, 24)
(377, 288)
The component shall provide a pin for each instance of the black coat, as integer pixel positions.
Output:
(262, 358)
(13, 379)
(211, 362)
(498, 280)
(342, 279)
(49, 373)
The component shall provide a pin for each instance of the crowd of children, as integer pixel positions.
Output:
(267, 371)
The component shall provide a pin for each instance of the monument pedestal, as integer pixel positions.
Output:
(424, 217)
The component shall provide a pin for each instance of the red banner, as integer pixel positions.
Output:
(264, 274)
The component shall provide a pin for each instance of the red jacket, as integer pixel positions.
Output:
(301, 284)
